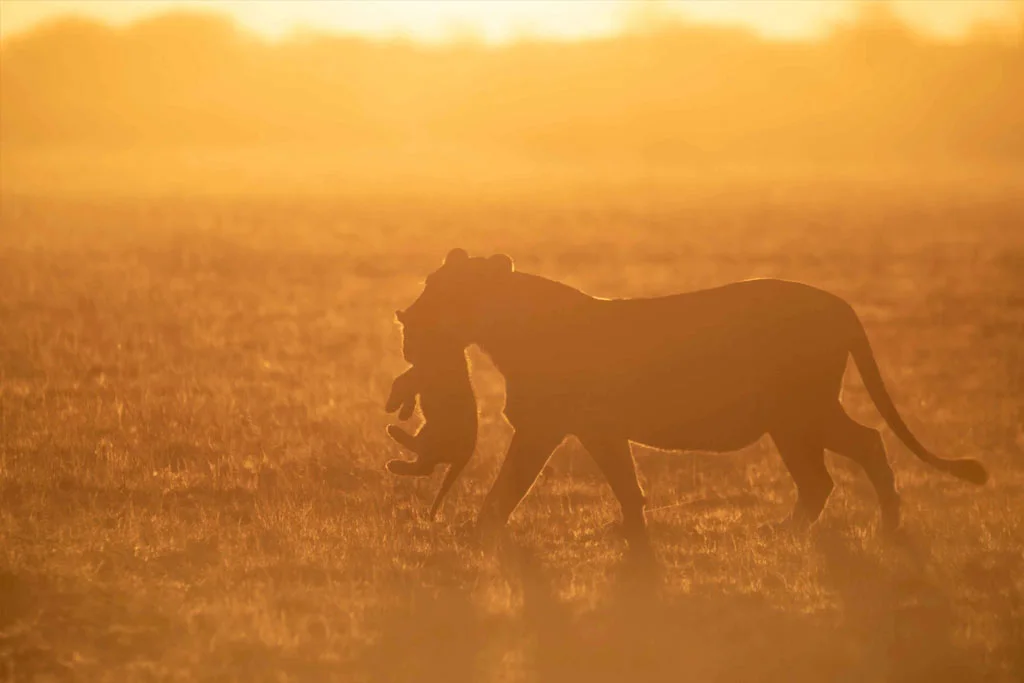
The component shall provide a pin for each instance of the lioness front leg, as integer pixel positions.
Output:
(614, 457)
(527, 453)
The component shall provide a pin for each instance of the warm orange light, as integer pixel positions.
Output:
(499, 21)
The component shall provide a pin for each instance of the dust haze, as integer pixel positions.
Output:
(203, 240)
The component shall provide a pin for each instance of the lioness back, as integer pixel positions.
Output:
(658, 367)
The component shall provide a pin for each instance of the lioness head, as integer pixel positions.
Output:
(448, 312)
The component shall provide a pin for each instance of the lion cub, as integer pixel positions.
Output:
(448, 434)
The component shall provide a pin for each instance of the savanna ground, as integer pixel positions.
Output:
(192, 446)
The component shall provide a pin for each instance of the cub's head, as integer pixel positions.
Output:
(453, 305)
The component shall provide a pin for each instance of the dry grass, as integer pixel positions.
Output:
(192, 448)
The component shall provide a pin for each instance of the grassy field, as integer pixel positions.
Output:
(192, 446)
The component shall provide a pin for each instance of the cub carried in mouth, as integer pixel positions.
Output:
(448, 434)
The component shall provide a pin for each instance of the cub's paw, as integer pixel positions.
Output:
(407, 409)
(409, 468)
(404, 438)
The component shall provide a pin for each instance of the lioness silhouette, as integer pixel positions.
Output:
(710, 370)
(448, 434)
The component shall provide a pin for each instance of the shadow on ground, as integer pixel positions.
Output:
(892, 624)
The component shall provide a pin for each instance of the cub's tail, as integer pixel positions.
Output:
(967, 469)
(450, 476)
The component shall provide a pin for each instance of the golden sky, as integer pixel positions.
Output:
(502, 20)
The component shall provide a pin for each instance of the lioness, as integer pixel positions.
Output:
(712, 370)
(448, 434)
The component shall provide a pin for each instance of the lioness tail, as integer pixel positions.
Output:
(967, 469)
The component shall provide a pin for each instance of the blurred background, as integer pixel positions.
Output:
(310, 95)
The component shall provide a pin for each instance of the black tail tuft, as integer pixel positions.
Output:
(968, 470)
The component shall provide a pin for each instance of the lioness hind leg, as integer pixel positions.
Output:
(865, 446)
(804, 455)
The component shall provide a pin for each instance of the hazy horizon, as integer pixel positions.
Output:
(192, 100)
(502, 22)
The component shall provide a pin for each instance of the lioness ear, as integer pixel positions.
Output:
(456, 256)
(502, 262)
